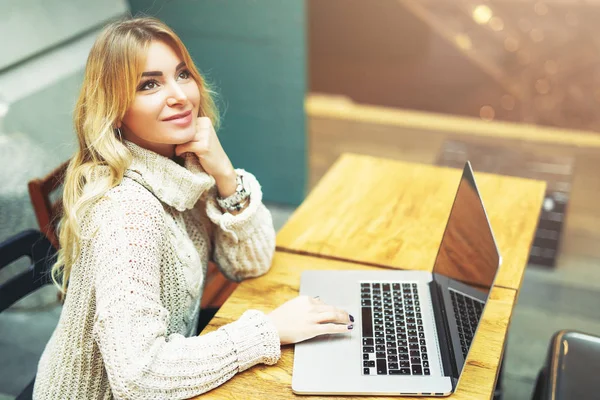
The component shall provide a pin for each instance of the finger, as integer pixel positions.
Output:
(190, 147)
(324, 329)
(338, 317)
(184, 148)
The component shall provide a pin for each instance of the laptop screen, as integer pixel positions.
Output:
(468, 252)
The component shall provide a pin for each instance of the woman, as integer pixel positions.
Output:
(149, 197)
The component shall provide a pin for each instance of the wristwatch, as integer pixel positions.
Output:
(238, 200)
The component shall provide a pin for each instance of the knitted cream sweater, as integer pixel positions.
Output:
(127, 328)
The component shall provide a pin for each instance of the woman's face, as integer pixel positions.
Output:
(163, 113)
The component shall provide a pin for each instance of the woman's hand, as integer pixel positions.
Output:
(305, 317)
(212, 157)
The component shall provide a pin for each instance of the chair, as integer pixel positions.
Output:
(571, 368)
(218, 288)
(46, 211)
(37, 247)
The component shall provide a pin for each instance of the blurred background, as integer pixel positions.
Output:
(512, 85)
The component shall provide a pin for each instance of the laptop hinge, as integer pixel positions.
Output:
(443, 332)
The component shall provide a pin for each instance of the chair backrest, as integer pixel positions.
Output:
(41, 253)
(218, 287)
(46, 211)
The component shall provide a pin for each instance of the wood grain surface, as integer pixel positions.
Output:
(281, 283)
(392, 214)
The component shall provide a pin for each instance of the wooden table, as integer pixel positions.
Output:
(369, 213)
(392, 214)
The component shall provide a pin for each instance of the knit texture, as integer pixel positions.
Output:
(127, 328)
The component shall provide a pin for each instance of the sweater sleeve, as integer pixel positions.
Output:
(244, 244)
(130, 323)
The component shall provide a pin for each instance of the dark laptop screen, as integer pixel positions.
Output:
(468, 252)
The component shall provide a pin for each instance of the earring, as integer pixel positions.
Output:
(118, 133)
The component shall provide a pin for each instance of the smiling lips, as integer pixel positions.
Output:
(181, 119)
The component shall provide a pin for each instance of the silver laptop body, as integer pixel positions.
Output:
(412, 329)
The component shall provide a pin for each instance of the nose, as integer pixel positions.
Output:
(176, 95)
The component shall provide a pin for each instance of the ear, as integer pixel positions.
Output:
(119, 124)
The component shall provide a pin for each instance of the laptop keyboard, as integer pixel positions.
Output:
(467, 312)
(393, 338)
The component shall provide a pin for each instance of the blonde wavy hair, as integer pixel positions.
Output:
(113, 70)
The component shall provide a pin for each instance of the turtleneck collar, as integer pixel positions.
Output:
(177, 186)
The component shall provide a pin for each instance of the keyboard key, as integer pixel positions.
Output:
(415, 360)
(404, 364)
(392, 358)
(424, 356)
(425, 364)
(401, 371)
(368, 349)
(380, 354)
(415, 353)
(380, 347)
(426, 371)
(368, 364)
(381, 367)
(393, 366)
(366, 371)
(365, 303)
(379, 341)
(416, 370)
(367, 325)
(368, 342)
(365, 356)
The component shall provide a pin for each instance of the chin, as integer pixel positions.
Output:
(181, 136)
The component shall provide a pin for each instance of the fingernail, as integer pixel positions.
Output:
(351, 318)
(350, 327)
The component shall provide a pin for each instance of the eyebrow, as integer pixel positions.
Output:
(159, 73)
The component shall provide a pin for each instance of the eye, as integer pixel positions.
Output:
(148, 85)
(184, 74)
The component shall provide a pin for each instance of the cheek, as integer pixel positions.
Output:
(192, 92)
(142, 112)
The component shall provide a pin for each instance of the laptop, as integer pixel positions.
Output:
(412, 329)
